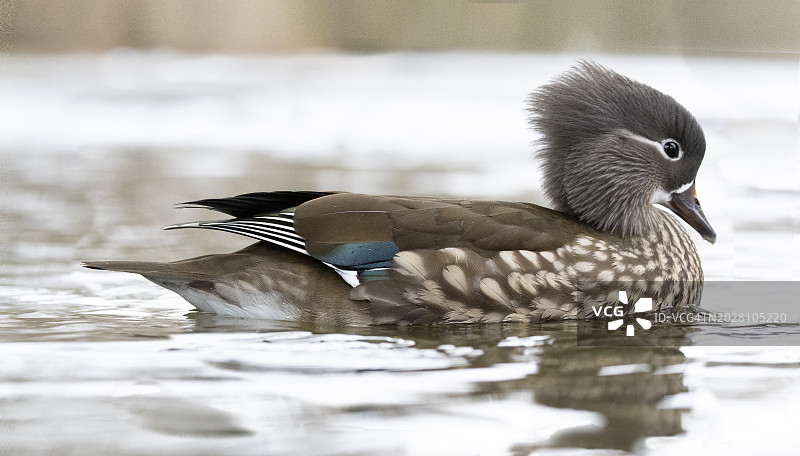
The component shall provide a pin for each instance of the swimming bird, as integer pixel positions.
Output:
(613, 151)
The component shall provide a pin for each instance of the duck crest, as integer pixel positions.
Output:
(600, 135)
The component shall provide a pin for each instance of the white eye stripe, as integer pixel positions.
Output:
(656, 144)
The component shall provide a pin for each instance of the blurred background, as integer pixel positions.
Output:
(245, 26)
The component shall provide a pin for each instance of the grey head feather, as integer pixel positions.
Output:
(599, 149)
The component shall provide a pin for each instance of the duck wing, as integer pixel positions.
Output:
(357, 231)
(347, 228)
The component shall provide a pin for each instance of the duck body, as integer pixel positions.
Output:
(612, 150)
(365, 260)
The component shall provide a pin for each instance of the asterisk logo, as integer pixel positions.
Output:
(642, 305)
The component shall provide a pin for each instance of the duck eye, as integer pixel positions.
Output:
(672, 149)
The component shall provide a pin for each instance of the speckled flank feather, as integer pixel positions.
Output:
(456, 285)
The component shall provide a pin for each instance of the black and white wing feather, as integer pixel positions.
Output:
(276, 229)
(265, 216)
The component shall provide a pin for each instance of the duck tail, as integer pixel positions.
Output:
(147, 269)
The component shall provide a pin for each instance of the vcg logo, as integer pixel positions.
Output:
(642, 305)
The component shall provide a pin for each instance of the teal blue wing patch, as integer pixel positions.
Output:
(355, 255)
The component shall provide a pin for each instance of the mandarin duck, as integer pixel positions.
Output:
(612, 150)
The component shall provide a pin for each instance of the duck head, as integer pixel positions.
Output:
(612, 147)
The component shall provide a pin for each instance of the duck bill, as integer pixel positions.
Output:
(687, 206)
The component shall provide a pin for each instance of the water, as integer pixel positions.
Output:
(98, 148)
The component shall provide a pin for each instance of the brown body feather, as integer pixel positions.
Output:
(434, 223)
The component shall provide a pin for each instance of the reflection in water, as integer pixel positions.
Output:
(625, 385)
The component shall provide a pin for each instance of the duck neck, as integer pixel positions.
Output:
(628, 216)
